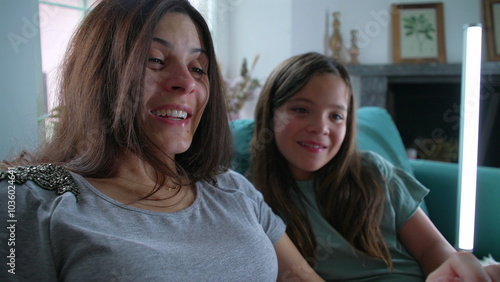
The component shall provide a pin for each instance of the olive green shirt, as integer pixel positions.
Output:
(337, 260)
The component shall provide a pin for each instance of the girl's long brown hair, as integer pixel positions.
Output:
(101, 92)
(350, 196)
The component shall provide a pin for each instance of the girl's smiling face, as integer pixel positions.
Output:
(310, 127)
(176, 86)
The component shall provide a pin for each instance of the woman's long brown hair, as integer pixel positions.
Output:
(101, 97)
(350, 196)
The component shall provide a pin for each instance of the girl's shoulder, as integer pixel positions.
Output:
(373, 159)
(380, 165)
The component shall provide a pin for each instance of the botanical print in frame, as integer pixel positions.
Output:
(491, 18)
(418, 33)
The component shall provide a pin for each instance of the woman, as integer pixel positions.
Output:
(351, 214)
(134, 184)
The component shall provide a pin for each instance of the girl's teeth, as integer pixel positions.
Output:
(311, 146)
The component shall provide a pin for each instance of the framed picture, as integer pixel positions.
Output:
(418, 33)
(491, 26)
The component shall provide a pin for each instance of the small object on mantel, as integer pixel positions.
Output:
(336, 39)
(354, 50)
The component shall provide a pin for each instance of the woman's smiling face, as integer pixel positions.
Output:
(310, 127)
(176, 84)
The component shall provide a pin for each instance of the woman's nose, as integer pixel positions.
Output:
(179, 79)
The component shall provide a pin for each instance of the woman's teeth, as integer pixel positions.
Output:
(172, 114)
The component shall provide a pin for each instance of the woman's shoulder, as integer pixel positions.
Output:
(231, 181)
(43, 179)
(231, 177)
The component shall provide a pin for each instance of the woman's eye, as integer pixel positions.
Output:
(156, 60)
(198, 71)
(299, 110)
(155, 63)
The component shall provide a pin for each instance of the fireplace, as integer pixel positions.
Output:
(424, 101)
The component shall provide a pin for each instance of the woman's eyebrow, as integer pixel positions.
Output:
(167, 44)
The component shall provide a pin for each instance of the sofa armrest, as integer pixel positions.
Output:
(442, 180)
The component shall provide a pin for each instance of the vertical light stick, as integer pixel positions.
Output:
(469, 135)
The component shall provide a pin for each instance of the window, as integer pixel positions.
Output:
(58, 20)
(206, 9)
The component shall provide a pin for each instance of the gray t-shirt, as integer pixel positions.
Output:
(227, 234)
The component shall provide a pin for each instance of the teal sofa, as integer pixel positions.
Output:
(377, 132)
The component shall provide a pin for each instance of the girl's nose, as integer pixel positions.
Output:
(318, 126)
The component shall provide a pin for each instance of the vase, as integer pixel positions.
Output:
(336, 39)
(354, 50)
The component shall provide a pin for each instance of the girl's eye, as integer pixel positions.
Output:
(336, 117)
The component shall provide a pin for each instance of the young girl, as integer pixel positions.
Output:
(351, 214)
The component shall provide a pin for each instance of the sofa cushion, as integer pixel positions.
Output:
(377, 132)
(242, 131)
(442, 201)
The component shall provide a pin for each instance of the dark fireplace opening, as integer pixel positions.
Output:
(427, 115)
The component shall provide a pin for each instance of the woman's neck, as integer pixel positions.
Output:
(137, 169)
(137, 183)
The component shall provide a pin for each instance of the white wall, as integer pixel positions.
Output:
(372, 19)
(259, 27)
(262, 27)
(278, 29)
(20, 75)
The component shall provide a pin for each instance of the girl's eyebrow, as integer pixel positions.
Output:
(340, 107)
(300, 99)
(169, 45)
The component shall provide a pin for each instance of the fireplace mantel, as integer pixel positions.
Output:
(373, 79)
(376, 85)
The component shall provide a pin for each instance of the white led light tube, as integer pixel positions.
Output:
(469, 135)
